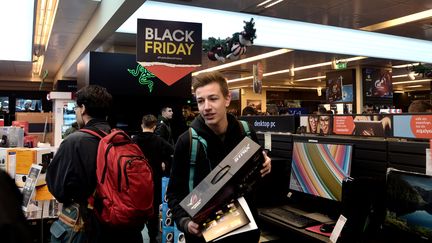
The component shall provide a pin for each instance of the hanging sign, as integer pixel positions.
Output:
(169, 49)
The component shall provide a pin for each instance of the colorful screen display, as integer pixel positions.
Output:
(409, 203)
(319, 169)
(28, 105)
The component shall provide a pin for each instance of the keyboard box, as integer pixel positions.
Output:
(233, 176)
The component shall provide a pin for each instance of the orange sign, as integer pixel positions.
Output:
(343, 125)
(421, 126)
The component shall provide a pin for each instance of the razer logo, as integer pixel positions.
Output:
(144, 76)
(194, 202)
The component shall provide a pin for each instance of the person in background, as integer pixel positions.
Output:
(222, 133)
(71, 175)
(312, 124)
(324, 124)
(163, 128)
(188, 115)
(419, 106)
(159, 153)
(74, 127)
(249, 111)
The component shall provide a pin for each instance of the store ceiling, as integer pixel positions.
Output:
(73, 16)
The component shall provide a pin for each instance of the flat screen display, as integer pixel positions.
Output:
(409, 203)
(28, 105)
(318, 169)
(4, 104)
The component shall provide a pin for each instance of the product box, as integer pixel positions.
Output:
(236, 174)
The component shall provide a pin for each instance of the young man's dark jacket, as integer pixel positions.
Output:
(163, 129)
(71, 177)
(217, 149)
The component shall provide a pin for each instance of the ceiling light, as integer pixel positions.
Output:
(239, 79)
(399, 21)
(406, 65)
(311, 78)
(400, 76)
(45, 14)
(245, 60)
(295, 69)
(414, 86)
(272, 4)
(263, 3)
(16, 20)
(276, 72)
(413, 81)
(275, 32)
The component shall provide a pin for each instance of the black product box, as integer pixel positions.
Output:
(234, 176)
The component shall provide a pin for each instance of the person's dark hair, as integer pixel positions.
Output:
(149, 121)
(322, 110)
(211, 77)
(420, 106)
(164, 108)
(249, 111)
(96, 99)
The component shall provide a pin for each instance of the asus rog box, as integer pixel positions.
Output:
(234, 176)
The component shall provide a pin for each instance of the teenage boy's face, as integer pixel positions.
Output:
(212, 104)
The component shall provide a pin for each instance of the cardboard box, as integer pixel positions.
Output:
(237, 172)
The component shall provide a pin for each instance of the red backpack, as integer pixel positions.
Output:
(124, 189)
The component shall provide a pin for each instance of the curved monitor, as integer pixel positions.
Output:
(318, 169)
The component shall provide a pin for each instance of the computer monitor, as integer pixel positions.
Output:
(4, 104)
(318, 169)
(409, 205)
(28, 105)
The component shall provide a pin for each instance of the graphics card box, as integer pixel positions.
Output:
(235, 174)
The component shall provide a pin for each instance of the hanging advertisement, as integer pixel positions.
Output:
(169, 49)
(377, 82)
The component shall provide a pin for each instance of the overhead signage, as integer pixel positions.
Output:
(271, 123)
(169, 49)
(413, 126)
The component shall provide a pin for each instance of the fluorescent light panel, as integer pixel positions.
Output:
(406, 65)
(311, 78)
(244, 60)
(272, 4)
(17, 19)
(412, 81)
(296, 69)
(263, 3)
(399, 21)
(278, 33)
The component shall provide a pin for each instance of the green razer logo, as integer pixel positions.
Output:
(143, 75)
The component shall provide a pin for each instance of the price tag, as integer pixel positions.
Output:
(267, 141)
(338, 228)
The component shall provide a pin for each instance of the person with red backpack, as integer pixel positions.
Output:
(221, 133)
(80, 177)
